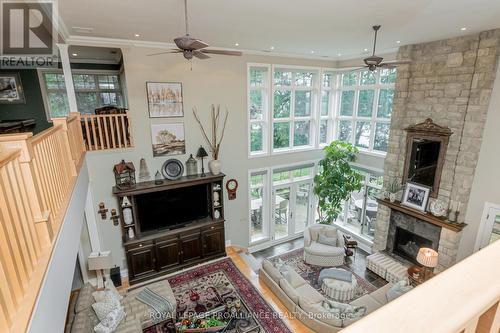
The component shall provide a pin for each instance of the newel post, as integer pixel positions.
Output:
(41, 214)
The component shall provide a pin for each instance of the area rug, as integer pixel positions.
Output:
(212, 285)
(310, 273)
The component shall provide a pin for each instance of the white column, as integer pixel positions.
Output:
(68, 78)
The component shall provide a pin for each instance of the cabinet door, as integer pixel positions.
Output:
(213, 241)
(167, 254)
(141, 260)
(190, 247)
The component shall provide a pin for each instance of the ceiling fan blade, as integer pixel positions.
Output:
(170, 51)
(197, 44)
(200, 55)
(398, 62)
(231, 53)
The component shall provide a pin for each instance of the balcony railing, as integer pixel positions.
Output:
(107, 131)
(37, 176)
(463, 298)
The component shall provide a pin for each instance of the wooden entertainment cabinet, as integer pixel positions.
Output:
(153, 253)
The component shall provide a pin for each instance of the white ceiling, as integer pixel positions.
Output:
(327, 27)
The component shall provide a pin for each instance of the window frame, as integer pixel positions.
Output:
(265, 110)
(45, 90)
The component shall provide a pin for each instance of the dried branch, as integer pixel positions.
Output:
(215, 120)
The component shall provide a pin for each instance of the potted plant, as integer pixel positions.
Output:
(336, 180)
(393, 188)
(214, 143)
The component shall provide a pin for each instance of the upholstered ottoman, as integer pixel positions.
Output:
(339, 290)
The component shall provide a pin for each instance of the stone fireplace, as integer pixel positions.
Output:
(408, 234)
(449, 81)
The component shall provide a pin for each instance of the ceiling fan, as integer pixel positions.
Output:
(373, 62)
(191, 47)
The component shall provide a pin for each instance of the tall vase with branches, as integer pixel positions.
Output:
(215, 139)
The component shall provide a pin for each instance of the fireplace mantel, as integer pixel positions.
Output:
(427, 217)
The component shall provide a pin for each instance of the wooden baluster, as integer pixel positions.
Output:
(106, 130)
(42, 177)
(118, 134)
(129, 130)
(5, 314)
(101, 136)
(111, 123)
(124, 130)
(94, 136)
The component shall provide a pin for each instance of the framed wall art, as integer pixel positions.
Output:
(168, 139)
(416, 196)
(11, 90)
(164, 99)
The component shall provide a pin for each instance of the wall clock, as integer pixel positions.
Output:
(231, 186)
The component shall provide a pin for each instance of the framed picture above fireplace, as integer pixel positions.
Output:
(416, 196)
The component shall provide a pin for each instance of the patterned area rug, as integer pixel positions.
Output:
(209, 286)
(310, 273)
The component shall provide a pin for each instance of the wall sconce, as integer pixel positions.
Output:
(102, 210)
(114, 216)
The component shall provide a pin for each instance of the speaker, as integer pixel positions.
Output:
(116, 276)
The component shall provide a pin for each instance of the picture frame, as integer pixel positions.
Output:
(11, 89)
(416, 196)
(168, 139)
(165, 99)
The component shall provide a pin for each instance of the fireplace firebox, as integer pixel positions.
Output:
(407, 244)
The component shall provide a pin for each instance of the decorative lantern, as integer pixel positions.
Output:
(124, 175)
(191, 166)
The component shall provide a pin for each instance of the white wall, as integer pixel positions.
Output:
(486, 185)
(219, 80)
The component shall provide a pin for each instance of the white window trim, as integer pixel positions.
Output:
(265, 206)
(44, 90)
(265, 111)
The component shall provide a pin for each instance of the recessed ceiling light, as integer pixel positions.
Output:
(236, 44)
(463, 28)
(271, 48)
(366, 50)
(74, 54)
(312, 52)
(339, 54)
(398, 42)
(137, 35)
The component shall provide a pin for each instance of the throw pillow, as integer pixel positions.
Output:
(284, 269)
(102, 309)
(330, 241)
(111, 321)
(84, 298)
(347, 311)
(397, 290)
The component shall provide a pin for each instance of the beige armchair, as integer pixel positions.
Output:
(321, 254)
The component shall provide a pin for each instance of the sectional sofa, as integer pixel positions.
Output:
(305, 302)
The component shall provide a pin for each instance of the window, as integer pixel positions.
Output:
(288, 208)
(294, 96)
(258, 97)
(360, 210)
(365, 108)
(92, 90)
(306, 108)
(258, 197)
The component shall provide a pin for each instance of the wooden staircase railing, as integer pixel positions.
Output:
(107, 131)
(37, 176)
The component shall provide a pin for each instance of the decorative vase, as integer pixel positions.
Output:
(144, 175)
(131, 233)
(392, 197)
(127, 216)
(214, 166)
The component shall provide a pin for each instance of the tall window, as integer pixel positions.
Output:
(258, 106)
(294, 97)
(312, 107)
(365, 108)
(258, 220)
(92, 90)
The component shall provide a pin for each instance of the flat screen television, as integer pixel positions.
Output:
(172, 208)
